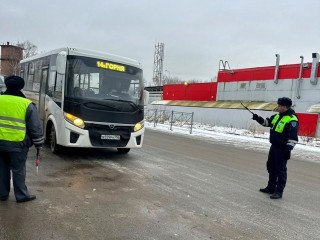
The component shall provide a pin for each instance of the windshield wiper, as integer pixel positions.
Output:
(99, 104)
(126, 101)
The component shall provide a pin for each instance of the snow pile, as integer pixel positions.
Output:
(307, 148)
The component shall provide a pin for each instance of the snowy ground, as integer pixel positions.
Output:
(307, 149)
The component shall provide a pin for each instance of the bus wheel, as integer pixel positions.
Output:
(123, 150)
(55, 148)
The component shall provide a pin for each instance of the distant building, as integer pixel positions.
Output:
(155, 93)
(10, 57)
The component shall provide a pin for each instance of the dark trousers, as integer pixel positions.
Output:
(277, 168)
(16, 162)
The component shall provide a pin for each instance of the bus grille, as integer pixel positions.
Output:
(96, 131)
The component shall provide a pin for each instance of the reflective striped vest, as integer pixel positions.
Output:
(12, 118)
(282, 123)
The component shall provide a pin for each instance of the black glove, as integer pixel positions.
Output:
(287, 154)
(255, 117)
(289, 147)
(258, 118)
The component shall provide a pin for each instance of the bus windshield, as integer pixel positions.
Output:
(90, 78)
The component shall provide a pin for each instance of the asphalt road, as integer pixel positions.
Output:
(175, 187)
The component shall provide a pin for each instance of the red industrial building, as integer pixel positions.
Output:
(259, 88)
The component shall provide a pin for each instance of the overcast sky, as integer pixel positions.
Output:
(197, 34)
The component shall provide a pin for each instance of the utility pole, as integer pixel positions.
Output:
(158, 64)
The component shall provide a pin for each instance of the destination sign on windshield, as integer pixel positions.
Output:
(111, 66)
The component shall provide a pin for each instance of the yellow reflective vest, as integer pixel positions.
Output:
(282, 123)
(13, 118)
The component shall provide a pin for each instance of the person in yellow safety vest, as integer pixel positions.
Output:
(20, 128)
(283, 138)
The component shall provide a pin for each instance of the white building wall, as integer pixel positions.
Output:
(154, 96)
(252, 91)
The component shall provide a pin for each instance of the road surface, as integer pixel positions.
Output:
(175, 187)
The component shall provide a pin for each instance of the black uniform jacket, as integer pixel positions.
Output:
(289, 137)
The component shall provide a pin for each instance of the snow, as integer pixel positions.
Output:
(308, 149)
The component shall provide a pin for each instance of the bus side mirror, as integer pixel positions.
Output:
(61, 62)
(145, 97)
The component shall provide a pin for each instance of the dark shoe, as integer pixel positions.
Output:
(4, 198)
(267, 190)
(276, 195)
(27, 199)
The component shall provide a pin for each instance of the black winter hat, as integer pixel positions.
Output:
(14, 82)
(284, 101)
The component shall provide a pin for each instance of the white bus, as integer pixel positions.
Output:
(87, 99)
(2, 85)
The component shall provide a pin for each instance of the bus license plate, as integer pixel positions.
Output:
(110, 137)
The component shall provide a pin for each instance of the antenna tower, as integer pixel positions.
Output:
(158, 64)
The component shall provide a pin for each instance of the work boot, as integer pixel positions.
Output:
(4, 198)
(276, 195)
(267, 190)
(26, 199)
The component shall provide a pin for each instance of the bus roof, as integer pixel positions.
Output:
(88, 53)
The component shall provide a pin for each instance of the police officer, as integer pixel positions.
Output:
(283, 138)
(19, 129)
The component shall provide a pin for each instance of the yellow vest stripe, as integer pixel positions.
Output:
(13, 127)
(12, 119)
(13, 123)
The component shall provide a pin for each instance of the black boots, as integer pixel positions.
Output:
(276, 195)
(4, 198)
(267, 190)
(26, 199)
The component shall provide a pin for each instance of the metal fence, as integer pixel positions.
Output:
(174, 118)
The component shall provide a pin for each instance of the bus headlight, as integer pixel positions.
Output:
(74, 120)
(138, 126)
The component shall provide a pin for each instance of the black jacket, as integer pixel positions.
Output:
(289, 137)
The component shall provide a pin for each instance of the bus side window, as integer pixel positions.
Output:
(51, 83)
(37, 76)
(58, 89)
(29, 82)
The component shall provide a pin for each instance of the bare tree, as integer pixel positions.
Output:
(214, 79)
(177, 80)
(173, 80)
(29, 49)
